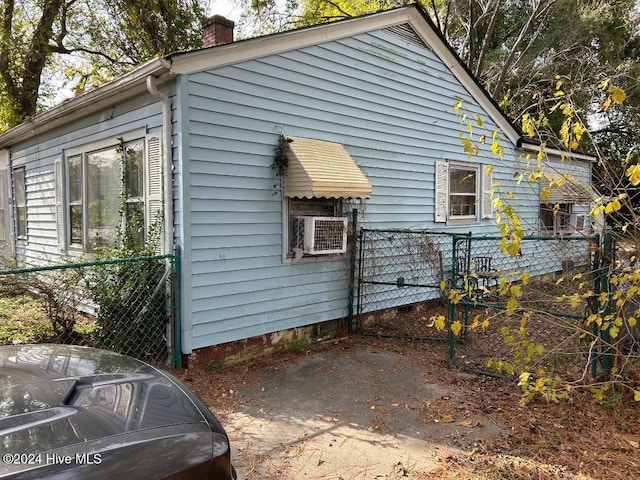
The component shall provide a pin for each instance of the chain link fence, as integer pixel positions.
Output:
(406, 278)
(529, 308)
(123, 305)
(398, 273)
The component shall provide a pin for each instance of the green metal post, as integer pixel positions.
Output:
(606, 336)
(452, 307)
(177, 321)
(352, 269)
(595, 306)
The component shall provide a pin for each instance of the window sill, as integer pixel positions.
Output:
(313, 258)
(463, 221)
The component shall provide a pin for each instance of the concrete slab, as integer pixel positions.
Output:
(345, 414)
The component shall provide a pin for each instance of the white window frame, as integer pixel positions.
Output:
(566, 221)
(150, 198)
(20, 202)
(442, 199)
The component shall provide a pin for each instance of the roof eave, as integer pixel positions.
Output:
(121, 88)
(416, 16)
(534, 145)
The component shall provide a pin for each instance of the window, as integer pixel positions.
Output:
(20, 188)
(106, 189)
(462, 191)
(463, 186)
(559, 218)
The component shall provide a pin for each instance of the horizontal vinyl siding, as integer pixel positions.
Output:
(391, 105)
(39, 154)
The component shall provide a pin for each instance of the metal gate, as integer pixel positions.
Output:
(397, 273)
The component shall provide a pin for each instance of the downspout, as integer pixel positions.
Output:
(174, 333)
(167, 189)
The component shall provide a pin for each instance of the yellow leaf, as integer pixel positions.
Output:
(485, 324)
(633, 173)
(438, 321)
(614, 331)
(512, 303)
(545, 193)
(524, 378)
(632, 321)
(560, 280)
(456, 327)
(516, 290)
(575, 300)
(488, 170)
(618, 95)
(614, 206)
(443, 285)
(606, 104)
(604, 84)
(636, 395)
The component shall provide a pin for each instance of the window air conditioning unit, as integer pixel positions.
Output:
(320, 235)
(578, 221)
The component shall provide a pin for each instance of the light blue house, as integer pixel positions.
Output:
(363, 111)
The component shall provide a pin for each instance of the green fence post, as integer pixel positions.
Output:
(352, 269)
(606, 288)
(595, 306)
(177, 321)
(452, 307)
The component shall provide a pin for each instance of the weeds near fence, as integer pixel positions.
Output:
(119, 299)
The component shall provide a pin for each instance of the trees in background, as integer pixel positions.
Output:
(520, 50)
(46, 45)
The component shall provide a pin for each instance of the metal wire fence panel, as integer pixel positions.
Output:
(397, 271)
(123, 305)
(403, 278)
(482, 269)
(528, 309)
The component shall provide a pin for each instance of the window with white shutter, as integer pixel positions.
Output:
(115, 183)
(462, 193)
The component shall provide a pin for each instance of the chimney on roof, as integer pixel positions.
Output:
(217, 30)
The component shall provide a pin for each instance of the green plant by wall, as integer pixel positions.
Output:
(130, 297)
(280, 160)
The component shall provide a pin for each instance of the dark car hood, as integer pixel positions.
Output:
(61, 395)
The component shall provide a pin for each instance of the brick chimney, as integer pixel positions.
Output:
(217, 30)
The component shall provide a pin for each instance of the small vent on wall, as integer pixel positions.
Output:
(408, 34)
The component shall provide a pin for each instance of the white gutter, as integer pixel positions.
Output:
(167, 191)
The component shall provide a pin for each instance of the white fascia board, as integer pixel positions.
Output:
(123, 87)
(191, 62)
(569, 155)
(243, 50)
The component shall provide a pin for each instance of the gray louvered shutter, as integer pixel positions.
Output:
(441, 191)
(59, 184)
(487, 185)
(153, 179)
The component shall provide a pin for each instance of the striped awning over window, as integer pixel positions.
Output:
(563, 188)
(320, 169)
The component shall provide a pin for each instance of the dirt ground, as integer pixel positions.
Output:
(371, 408)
